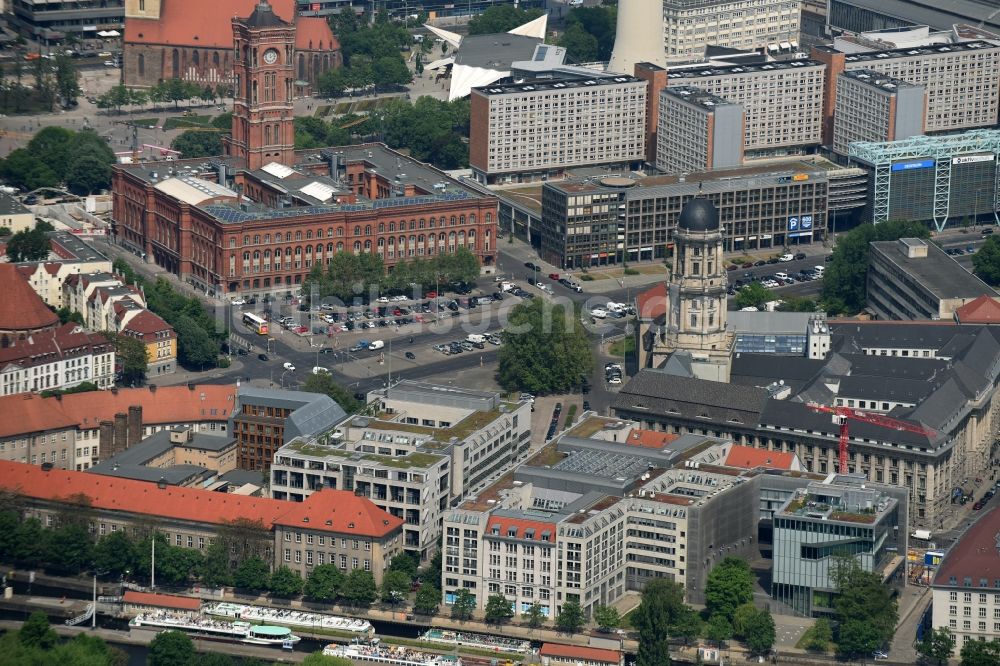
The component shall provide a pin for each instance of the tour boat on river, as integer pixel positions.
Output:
(290, 618)
(207, 628)
(390, 654)
(479, 641)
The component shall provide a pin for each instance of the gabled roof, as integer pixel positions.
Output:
(147, 323)
(194, 504)
(652, 303)
(574, 652)
(982, 310)
(748, 457)
(21, 309)
(196, 22)
(313, 33)
(976, 556)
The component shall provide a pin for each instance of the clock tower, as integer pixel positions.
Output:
(263, 118)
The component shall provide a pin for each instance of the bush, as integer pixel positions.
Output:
(587, 277)
(631, 271)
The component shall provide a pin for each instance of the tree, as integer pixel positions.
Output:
(501, 18)
(24, 169)
(195, 348)
(845, 279)
(432, 572)
(600, 22)
(132, 353)
(285, 582)
(215, 569)
(36, 632)
(729, 585)
(395, 587)
(817, 637)
(427, 600)
(743, 620)
(986, 261)
(359, 588)
(661, 610)
(580, 45)
(545, 349)
(66, 315)
(753, 295)
(760, 633)
(798, 304)
(171, 648)
(115, 553)
(70, 549)
(534, 616)
(28, 245)
(252, 574)
(67, 80)
(325, 384)
(498, 609)
(607, 618)
(570, 619)
(87, 174)
(980, 653)
(323, 583)
(937, 644)
(406, 563)
(198, 143)
(463, 606)
(718, 629)
(865, 610)
(391, 71)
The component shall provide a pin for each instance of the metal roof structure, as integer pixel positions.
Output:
(882, 155)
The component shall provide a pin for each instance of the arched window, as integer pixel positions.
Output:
(302, 67)
(256, 255)
(309, 250)
(195, 58)
(175, 64)
(267, 135)
(402, 241)
(298, 235)
(142, 64)
(357, 246)
(461, 219)
(489, 218)
(392, 226)
(319, 249)
(267, 238)
(309, 234)
(420, 240)
(381, 243)
(452, 220)
(246, 240)
(298, 251)
(472, 218)
(256, 239)
(329, 232)
(381, 227)
(368, 230)
(215, 60)
(288, 253)
(340, 231)
(357, 231)
(340, 247)
(368, 245)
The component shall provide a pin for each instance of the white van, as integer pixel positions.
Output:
(375, 344)
(475, 338)
(781, 276)
(598, 313)
(819, 270)
(615, 307)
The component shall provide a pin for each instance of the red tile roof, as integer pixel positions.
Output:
(522, 525)
(564, 652)
(165, 405)
(975, 556)
(652, 303)
(649, 439)
(67, 341)
(340, 513)
(21, 309)
(213, 28)
(192, 504)
(147, 323)
(749, 457)
(162, 600)
(983, 310)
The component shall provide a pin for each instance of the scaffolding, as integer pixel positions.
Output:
(941, 149)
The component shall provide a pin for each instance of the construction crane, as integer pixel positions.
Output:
(842, 414)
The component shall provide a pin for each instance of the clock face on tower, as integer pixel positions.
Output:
(270, 56)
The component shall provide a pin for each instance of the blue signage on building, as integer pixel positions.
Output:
(793, 223)
(907, 166)
(807, 221)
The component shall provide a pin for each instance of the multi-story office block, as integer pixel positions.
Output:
(783, 101)
(536, 129)
(433, 444)
(960, 80)
(873, 107)
(827, 521)
(697, 131)
(911, 278)
(689, 25)
(601, 221)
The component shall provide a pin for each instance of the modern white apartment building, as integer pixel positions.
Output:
(690, 25)
(960, 81)
(697, 131)
(782, 101)
(534, 130)
(874, 107)
(432, 444)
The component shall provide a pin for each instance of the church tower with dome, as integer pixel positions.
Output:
(693, 327)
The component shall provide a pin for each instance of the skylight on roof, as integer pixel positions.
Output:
(278, 170)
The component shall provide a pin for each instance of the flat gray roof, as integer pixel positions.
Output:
(877, 80)
(937, 272)
(934, 49)
(697, 97)
(746, 68)
(940, 15)
(495, 51)
(558, 82)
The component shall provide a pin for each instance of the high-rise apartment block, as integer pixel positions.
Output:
(874, 107)
(689, 25)
(536, 129)
(700, 132)
(960, 80)
(783, 101)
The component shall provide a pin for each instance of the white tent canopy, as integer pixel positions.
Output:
(109, 33)
(438, 64)
(534, 28)
(453, 39)
(465, 78)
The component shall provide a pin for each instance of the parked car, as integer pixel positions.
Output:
(410, 355)
(288, 366)
(788, 256)
(800, 255)
(262, 357)
(987, 231)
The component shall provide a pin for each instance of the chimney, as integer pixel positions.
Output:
(106, 439)
(121, 433)
(134, 425)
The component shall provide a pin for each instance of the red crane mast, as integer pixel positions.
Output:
(841, 415)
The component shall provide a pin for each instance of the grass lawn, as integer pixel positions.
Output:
(146, 122)
(342, 108)
(187, 121)
(620, 347)
(801, 644)
(323, 110)
(365, 105)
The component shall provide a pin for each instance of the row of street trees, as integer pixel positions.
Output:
(55, 156)
(167, 91)
(372, 55)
